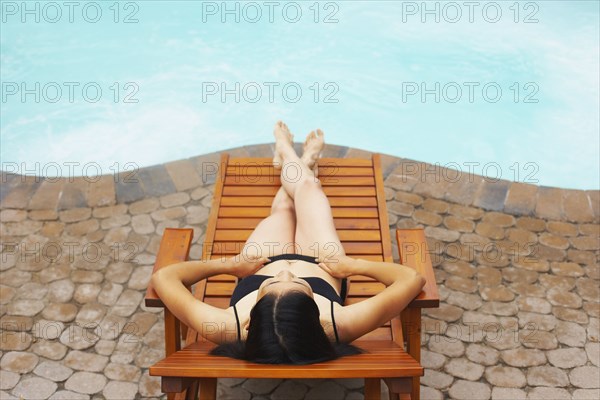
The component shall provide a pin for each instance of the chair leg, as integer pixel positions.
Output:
(372, 389)
(411, 319)
(208, 389)
(192, 392)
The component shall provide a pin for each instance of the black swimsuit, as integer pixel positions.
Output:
(318, 285)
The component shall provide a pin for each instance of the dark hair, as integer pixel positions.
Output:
(285, 329)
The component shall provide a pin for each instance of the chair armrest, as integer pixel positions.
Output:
(174, 247)
(414, 253)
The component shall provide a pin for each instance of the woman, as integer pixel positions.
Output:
(288, 306)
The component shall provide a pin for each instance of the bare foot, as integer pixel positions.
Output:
(313, 145)
(283, 138)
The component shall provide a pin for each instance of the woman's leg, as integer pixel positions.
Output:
(275, 234)
(315, 231)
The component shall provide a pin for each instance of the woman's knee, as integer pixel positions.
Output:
(284, 205)
(308, 184)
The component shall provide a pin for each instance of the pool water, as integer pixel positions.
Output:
(504, 89)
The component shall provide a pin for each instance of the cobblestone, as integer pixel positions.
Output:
(325, 390)
(27, 308)
(49, 349)
(84, 361)
(586, 377)
(462, 368)
(545, 393)
(64, 312)
(587, 394)
(85, 382)
(482, 355)
(469, 390)
(68, 395)
(120, 390)
(86, 293)
(149, 385)
(505, 377)
(500, 393)
(8, 380)
(547, 376)
(78, 338)
(436, 379)
(53, 370)
(523, 357)
(593, 353)
(35, 388)
(44, 303)
(570, 334)
(19, 361)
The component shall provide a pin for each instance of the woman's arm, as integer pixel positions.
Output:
(215, 324)
(402, 285)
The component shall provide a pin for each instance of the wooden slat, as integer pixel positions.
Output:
(382, 359)
(412, 247)
(383, 333)
(344, 234)
(330, 191)
(222, 278)
(275, 181)
(356, 223)
(362, 278)
(341, 162)
(238, 223)
(340, 223)
(220, 302)
(235, 247)
(370, 257)
(219, 288)
(214, 210)
(382, 209)
(266, 201)
(263, 212)
(174, 247)
(324, 170)
(359, 288)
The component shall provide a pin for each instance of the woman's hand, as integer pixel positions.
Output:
(244, 265)
(338, 266)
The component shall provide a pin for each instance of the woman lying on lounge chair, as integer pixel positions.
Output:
(288, 308)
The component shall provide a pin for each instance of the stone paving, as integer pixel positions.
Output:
(516, 264)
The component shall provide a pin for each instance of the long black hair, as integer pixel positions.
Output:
(285, 329)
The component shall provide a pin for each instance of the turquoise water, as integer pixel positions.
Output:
(511, 95)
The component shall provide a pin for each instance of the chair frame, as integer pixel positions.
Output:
(395, 361)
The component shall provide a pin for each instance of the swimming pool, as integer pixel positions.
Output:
(503, 89)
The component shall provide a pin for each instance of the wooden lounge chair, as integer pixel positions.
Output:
(243, 193)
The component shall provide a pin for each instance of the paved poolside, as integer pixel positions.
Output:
(509, 327)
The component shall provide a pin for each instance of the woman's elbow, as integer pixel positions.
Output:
(419, 280)
(156, 279)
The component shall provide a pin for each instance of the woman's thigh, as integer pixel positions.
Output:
(273, 235)
(315, 230)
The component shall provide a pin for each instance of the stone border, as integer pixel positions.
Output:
(36, 193)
